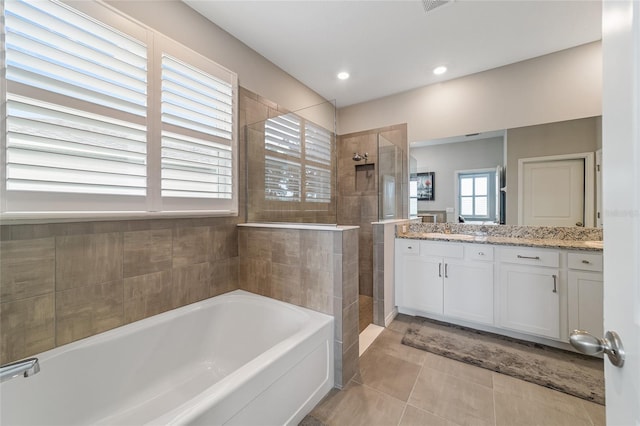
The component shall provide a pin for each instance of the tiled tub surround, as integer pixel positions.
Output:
(63, 282)
(311, 266)
(575, 238)
(226, 360)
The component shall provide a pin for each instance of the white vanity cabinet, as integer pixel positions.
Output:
(418, 278)
(539, 294)
(584, 280)
(468, 285)
(530, 291)
(436, 278)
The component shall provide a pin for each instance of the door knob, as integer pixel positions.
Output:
(589, 344)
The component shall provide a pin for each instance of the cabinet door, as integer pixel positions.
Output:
(422, 286)
(530, 300)
(585, 302)
(468, 291)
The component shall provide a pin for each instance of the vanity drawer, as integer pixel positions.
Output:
(479, 252)
(585, 261)
(524, 256)
(410, 247)
(453, 250)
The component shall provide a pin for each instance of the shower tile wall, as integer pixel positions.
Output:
(309, 268)
(357, 201)
(358, 197)
(63, 282)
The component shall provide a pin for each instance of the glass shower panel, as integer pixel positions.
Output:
(291, 166)
(391, 178)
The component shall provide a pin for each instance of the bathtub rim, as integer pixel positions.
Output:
(167, 316)
(314, 323)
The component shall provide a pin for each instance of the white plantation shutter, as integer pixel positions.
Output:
(51, 148)
(283, 135)
(282, 179)
(318, 177)
(55, 48)
(76, 105)
(317, 144)
(298, 160)
(197, 154)
(98, 117)
(317, 184)
(283, 171)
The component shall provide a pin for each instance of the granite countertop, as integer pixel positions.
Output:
(506, 241)
(588, 239)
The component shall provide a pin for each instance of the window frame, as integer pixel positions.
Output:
(303, 161)
(153, 205)
(492, 201)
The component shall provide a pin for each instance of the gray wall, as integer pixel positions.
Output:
(565, 137)
(445, 159)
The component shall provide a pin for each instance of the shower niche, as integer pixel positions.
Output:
(365, 177)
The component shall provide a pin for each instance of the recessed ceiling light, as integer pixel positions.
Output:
(439, 70)
(343, 75)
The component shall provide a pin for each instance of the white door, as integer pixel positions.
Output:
(621, 197)
(553, 193)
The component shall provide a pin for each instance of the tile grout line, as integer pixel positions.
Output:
(493, 396)
(404, 409)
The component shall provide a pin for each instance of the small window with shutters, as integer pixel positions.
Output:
(476, 195)
(297, 161)
(103, 115)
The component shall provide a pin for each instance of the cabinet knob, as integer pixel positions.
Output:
(409, 247)
(480, 253)
(586, 262)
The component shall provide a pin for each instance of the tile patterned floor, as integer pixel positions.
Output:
(401, 386)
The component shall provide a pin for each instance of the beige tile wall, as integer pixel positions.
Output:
(77, 281)
(360, 207)
(309, 268)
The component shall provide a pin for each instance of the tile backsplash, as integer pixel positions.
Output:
(63, 282)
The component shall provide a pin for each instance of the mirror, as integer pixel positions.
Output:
(468, 174)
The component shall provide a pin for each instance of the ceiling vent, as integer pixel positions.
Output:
(430, 5)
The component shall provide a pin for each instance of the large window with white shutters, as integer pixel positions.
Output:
(102, 115)
(298, 162)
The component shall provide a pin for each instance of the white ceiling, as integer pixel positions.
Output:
(393, 46)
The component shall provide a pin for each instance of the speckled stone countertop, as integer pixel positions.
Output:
(572, 238)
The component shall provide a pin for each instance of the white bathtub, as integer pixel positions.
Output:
(238, 358)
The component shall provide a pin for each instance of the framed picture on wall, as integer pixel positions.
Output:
(426, 186)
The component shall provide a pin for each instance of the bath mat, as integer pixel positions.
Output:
(575, 374)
